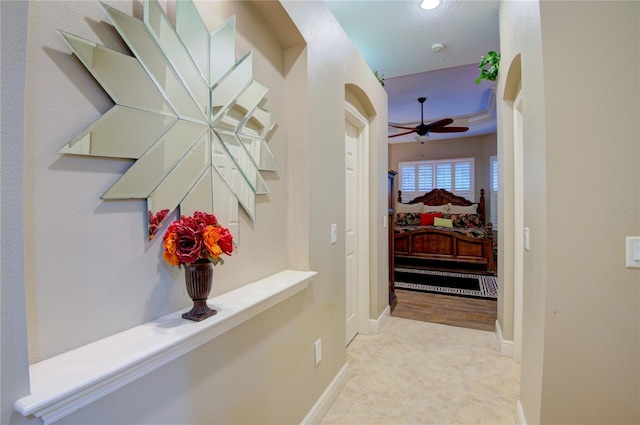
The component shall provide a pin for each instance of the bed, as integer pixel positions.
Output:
(443, 231)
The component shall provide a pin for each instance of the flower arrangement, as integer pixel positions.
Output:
(197, 237)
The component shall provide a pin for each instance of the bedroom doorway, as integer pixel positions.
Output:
(356, 222)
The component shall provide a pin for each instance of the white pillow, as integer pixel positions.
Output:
(409, 208)
(436, 208)
(461, 209)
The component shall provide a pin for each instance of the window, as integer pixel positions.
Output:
(493, 196)
(454, 175)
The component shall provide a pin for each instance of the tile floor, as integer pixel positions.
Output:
(426, 373)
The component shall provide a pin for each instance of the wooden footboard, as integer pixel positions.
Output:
(444, 249)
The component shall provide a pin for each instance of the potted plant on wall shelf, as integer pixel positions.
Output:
(489, 67)
(198, 242)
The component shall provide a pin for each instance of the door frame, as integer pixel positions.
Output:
(353, 116)
(518, 210)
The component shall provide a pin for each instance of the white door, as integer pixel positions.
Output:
(351, 228)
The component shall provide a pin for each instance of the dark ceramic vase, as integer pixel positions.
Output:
(198, 277)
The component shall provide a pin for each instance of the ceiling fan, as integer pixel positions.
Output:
(423, 129)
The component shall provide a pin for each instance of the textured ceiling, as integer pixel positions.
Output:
(395, 38)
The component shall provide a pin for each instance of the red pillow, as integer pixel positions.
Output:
(426, 219)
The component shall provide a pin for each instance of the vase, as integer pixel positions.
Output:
(198, 278)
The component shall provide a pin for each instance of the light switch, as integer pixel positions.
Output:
(334, 233)
(526, 238)
(633, 252)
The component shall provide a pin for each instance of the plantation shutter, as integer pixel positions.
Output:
(493, 199)
(443, 176)
(420, 177)
(408, 181)
(462, 179)
(425, 178)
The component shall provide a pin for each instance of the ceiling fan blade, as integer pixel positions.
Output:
(439, 123)
(399, 126)
(449, 130)
(402, 134)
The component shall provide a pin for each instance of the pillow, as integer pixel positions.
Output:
(426, 219)
(442, 222)
(407, 219)
(436, 208)
(409, 208)
(464, 220)
(463, 209)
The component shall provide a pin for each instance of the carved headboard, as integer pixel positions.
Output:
(443, 197)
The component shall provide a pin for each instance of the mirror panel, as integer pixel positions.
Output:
(259, 152)
(243, 161)
(157, 162)
(166, 37)
(237, 113)
(194, 35)
(233, 177)
(260, 123)
(122, 132)
(142, 44)
(175, 186)
(212, 190)
(108, 66)
(231, 86)
(223, 51)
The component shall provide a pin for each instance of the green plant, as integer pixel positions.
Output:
(380, 77)
(489, 66)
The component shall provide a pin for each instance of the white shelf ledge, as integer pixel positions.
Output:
(65, 383)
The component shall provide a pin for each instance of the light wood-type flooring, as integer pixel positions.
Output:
(451, 310)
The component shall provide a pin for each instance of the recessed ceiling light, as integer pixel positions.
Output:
(429, 4)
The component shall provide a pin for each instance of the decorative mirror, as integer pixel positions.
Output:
(185, 110)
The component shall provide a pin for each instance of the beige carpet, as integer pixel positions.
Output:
(425, 373)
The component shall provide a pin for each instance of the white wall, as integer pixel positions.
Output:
(581, 330)
(89, 272)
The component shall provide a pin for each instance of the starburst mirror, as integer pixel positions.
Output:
(185, 110)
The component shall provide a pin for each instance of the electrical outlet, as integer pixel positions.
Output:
(318, 347)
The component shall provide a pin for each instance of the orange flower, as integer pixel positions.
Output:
(170, 246)
(211, 236)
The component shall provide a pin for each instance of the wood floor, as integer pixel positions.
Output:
(451, 310)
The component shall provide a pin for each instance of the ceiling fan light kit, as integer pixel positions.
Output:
(423, 129)
(429, 4)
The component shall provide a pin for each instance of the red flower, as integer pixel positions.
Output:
(226, 241)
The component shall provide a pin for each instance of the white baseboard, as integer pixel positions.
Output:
(520, 419)
(505, 346)
(328, 397)
(376, 326)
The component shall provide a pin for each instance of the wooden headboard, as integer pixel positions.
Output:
(443, 197)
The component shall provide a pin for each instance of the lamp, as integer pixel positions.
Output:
(422, 139)
(429, 4)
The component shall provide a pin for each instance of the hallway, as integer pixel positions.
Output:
(426, 373)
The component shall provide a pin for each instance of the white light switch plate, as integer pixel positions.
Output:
(334, 233)
(526, 238)
(633, 252)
